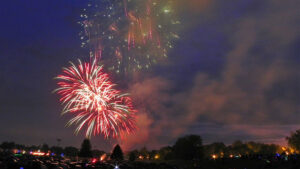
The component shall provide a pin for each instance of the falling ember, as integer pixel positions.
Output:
(87, 93)
(133, 35)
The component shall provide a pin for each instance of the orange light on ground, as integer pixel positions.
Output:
(221, 154)
(141, 157)
(231, 156)
(214, 156)
(38, 153)
(156, 156)
(103, 157)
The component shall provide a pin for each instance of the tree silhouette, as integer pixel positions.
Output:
(117, 153)
(188, 148)
(85, 150)
(144, 152)
(71, 151)
(133, 155)
(166, 153)
(58, 142)
(238, 147)
(294, 140)
(8, 145)
(214, 148)
(45, 147)
(97, 153)
(57, 150)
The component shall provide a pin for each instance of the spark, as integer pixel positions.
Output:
(128, 29)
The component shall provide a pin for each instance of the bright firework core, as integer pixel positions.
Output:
(87, 93)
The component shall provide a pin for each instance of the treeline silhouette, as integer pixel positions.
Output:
(187, 152)
(186, 148)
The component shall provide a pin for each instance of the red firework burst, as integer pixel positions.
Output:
(87, 93)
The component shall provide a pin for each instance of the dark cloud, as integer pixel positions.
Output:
(257, 85)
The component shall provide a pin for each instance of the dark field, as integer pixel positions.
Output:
(11, 161)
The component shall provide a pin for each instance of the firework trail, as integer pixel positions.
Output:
(129, 35)
(88, 94)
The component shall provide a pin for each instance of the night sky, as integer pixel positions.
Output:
(233, 74)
